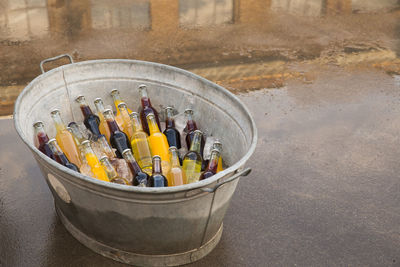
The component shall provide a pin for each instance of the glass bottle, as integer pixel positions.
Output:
(73, 128)
(212, 165)
(42, 139)
(176, 176)
(191, 126)
(218, 145)
(140, 178)
(146, 109)
(117, 100)
(65, 139)
(60, 156)
(126, 121)
(118, 139)
(192, 160)
(158, 143)
(111, 172)
(140, 144)
(103, 127)
(157, 179)
(93, 162)
(172, 134)
(90, 120)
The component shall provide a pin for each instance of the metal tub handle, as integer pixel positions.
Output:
(54, 58)
(244, 172)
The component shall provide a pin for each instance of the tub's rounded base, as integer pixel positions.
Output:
(141, 259)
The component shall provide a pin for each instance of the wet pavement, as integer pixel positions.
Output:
(320, 77)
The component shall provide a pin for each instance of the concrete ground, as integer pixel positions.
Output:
(324, 91)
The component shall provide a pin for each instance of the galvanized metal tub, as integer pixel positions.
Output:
(140, 226)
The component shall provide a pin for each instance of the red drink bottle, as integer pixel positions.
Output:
(146, 109)
(42, 139)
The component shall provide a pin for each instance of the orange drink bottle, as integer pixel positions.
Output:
(158, 143)
(65, 139)
(117, 99)
(103, 127)
(176, 176)
(126, 121)
(93, 162)
(146, 109)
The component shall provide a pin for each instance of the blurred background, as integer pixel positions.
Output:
(242, 45)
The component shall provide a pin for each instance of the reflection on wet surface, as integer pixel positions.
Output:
(242, 45)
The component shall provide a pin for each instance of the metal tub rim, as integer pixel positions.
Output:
(144, 190)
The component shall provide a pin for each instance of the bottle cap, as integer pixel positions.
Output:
(126, 151)
(134, 114)
(142, 86)
(55, 111)
(122, 105)
(98, 100)
(189, 110)
(79, 98)
(156, 157)
(150, 115)
(114, 92)
(197, 131)
(103, 157)
(169, 107)
(72, 124)
(172, 148)
(84, 143)
(52, 140)
(38, 124)
(107, 110)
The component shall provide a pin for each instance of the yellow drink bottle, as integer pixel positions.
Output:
(192, 161)
(117, 100)
(158, 143)
(126, 121)
(103, 127)
(140, 144)
(111, 172)
(93, 162)
(176, 176)
(65, 139)
(217, 145)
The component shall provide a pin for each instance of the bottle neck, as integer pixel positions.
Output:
(76, 132)
(58, 122)
(111, 173)
(213, 164)
(99, 106)
(86, 110)
(137, 126)
(112, 124)
(157, 166)
(153, 126)
(41, 135)
(133, 165)
(174, 158)
(196, 142)
(169, 123)
(145, 102)
(191, 126)
(116, 97)
(87, 149)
